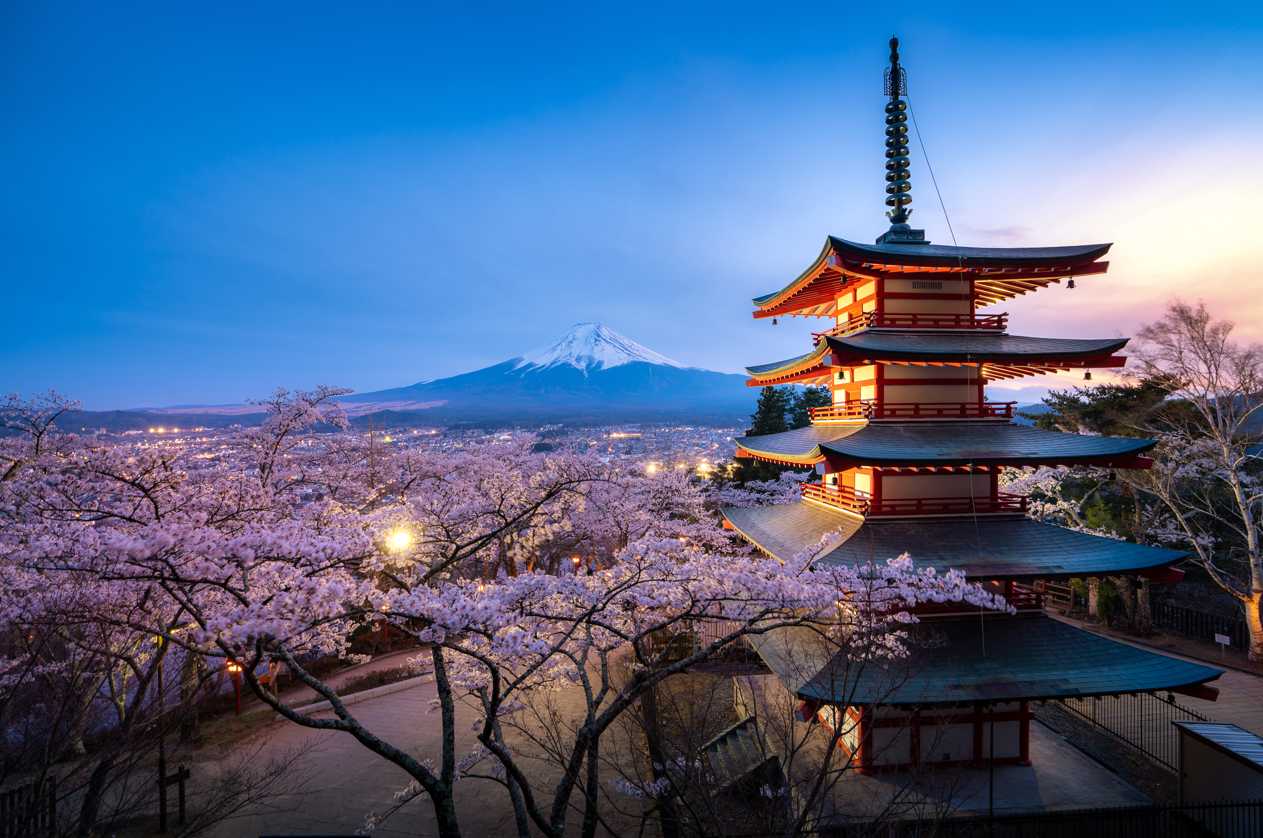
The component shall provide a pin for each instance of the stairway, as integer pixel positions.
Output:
(738, 755)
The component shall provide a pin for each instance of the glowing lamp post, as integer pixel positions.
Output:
(400, 540)
(575, 559)
(235, 669)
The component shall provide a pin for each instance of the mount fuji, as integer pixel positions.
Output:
(591, 374)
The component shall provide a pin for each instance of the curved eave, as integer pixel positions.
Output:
(999, 273)
(801, 446)
(959, 444)
(992, 548)
(811, 366)
(947, 256)
(943, 444)
(971, 661)
(871, 346)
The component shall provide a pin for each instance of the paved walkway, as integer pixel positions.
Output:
(345, 781)
(301, 692)
(1061, 777)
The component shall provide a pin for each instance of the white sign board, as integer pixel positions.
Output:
(1223, 639)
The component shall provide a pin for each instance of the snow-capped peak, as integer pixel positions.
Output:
(591, 346)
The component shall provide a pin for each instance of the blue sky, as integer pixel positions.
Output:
(202, 204)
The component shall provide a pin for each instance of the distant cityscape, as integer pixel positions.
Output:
(651, 447)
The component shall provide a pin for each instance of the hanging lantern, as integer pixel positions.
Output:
(1087, 376)
(773, 321)
(1070, 285)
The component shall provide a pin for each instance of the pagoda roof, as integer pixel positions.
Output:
(974, 347)
(998, 272)
(803, 369)
(991, 548)
(942, 444)
(950, 256)
(964, 660)
(1001, 356)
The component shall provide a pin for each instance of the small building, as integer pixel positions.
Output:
(1219, 762)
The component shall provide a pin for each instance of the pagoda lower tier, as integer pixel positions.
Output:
(968, 678)
(1008, 548)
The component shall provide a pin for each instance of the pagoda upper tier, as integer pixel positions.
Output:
(847, 278)
(997, 355)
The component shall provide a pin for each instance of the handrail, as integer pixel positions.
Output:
(844, 497)
(869, 410)
(894, 320)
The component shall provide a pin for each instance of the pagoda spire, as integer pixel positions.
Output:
(898, 178)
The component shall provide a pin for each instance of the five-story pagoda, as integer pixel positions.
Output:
(909, 456)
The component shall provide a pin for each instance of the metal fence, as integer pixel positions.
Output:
(1201, 820)
(1141, 720)
(29, 812)
(1202, 625)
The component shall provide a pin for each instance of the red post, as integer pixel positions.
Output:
(235, 669)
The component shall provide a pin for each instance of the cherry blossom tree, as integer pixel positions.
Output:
(1208, 476)
(285, 540)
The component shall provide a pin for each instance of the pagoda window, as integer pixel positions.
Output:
(962, 305)
(917, 393)
(911, 486)
(928, 288)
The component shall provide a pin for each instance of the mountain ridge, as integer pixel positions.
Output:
(590, 373)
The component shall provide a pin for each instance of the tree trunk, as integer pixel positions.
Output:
(1094, 599)
(653, 734)
(1254, 619)
(1127, 594)
(1144, 610)
(92, 796)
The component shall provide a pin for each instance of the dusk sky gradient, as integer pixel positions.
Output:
(201, 203)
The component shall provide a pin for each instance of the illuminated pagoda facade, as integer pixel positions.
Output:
(908, 458)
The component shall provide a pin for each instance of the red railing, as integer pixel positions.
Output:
(890, 320)
(870, 410)
(846, 498)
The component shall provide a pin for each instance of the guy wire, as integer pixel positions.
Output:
(969, 426)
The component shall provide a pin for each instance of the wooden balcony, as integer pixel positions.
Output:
(924, 322)
(868, 411)
(846, 498)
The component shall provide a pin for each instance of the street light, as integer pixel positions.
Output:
(235, 669)
(400, 539)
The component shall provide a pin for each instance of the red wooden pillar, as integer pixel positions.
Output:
(914, 739)
(979, 755)
(1024, 736)
(863, 748)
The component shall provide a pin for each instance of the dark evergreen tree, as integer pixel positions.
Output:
(1107, 409)
(799, 415)
(769, 416)
(776, 412)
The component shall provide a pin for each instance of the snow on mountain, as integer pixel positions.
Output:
(591, 346)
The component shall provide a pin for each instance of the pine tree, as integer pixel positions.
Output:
(778, 407)
(799, 415)
(769, 415)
